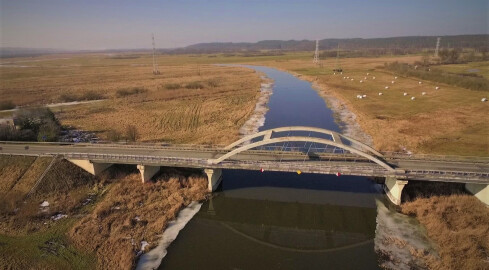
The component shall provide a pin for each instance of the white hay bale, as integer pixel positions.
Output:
(392, 82)
(373, 78)
(341, 73)
(419, 82)
(351, 79)
(334, 73)
(368, 73)
(395, 78)
(413, 98)
(424, 93)
(348, 77)
(436, 88)
(365, 78)
(361, 81)
(484, 99)
(380, 93)
(364, 96)
(44, 204)
(387, 87)
(405, 94)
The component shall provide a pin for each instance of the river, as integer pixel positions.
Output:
(275, 220)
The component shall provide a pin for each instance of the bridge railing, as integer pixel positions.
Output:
(123, 144)
(401, 155)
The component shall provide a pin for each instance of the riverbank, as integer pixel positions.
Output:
(257, 119)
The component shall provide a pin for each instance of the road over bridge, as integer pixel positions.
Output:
(325, 152)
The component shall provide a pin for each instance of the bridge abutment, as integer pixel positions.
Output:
(214, 178)
(393, 189)
(147, 172)
(89, 166)
(480, 191)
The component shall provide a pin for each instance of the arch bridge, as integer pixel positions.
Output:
(289, 149)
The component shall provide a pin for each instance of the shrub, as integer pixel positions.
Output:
(7, 105)
(91, 95)
(213, 82)
(172, 86)
(130, 91)
(194, 85)
(114, 135)
(436, 75)
(132, 133)
(67, 97)
(48, 132)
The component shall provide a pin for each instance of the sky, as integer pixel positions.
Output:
(124, 24)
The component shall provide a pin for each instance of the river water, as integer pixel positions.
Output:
(274, 220)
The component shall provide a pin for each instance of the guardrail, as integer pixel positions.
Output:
(401, 155)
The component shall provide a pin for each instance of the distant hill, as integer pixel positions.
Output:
(403, 43)
(394, 45)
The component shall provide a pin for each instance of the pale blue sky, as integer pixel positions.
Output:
(128, 24)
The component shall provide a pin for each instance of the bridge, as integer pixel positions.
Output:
(285, 149)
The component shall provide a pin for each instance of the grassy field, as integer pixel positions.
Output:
(479, 68)
(194, 101)
(188, 102)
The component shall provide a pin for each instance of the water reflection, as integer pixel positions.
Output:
(281, 221)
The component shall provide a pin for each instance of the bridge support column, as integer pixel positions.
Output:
(89, 166)
(214, 178)
(147, 172)
(480, 191)
(393, 189)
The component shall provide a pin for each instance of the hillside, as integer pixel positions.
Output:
(478, 42)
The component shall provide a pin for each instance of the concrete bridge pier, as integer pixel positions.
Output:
(89, 166)
(480, 191)
(214, 178)
(147, 172)
(393, 189)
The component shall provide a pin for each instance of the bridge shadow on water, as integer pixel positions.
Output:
(238, 179)
(274, 220)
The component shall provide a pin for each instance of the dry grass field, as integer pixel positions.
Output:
(115, 210)
(188, 103)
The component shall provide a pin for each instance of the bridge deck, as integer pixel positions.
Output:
(409, 167)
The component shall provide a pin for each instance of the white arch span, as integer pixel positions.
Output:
(301, 139)
(336, 137)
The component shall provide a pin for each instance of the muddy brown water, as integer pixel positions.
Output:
(274, 220)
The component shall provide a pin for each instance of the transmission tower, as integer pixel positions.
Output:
(437, 46)
(155, 65)
(338, 67)
(316, 53)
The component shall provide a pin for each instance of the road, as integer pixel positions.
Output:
(433, 168)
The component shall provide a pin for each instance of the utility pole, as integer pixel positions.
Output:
(437, 46)
(155, 65)
(316, 54)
